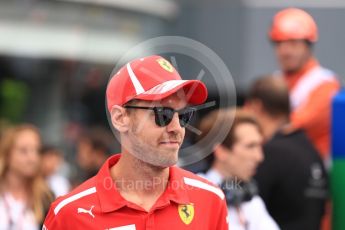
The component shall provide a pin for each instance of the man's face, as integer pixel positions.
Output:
(246, 153)
(150, 143)
(292, 54)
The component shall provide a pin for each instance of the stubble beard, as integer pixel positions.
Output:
(148, 154)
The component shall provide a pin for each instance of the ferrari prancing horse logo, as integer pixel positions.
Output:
(165, 65)
(186, 212)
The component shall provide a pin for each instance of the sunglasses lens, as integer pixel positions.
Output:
(186, 117)
(163, 116)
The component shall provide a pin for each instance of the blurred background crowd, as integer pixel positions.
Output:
(56, 57)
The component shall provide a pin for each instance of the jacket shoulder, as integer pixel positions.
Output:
(197, 183)
(76, 197)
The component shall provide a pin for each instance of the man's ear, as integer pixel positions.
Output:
(220, 152)
(119, 118)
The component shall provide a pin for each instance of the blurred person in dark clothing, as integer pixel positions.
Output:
(92, 151)
(52, 161)
(233, 165)
(24, 195)
(292, 180)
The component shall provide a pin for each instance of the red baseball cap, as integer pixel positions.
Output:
(151, 78)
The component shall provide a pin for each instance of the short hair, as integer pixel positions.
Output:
(273, 93)
(217, 118)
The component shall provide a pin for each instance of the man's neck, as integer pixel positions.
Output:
(271, 125)
(138, 181)
(221, 171)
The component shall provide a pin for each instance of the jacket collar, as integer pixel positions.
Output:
(111, 200)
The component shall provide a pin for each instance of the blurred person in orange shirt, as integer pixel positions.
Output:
(24, 195)
(311, 86)
(52, 161)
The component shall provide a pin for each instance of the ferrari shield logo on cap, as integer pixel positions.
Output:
(165, 65)
(186, 212)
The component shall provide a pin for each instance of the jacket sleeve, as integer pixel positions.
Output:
(53, 222)
(223, 219)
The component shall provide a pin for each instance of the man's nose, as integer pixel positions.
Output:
(283, 47)
(174, 125)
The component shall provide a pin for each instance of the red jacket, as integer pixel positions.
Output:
(189, 202)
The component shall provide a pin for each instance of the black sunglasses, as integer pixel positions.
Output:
(164, 115)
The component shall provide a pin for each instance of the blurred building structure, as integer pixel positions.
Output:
(56, 55)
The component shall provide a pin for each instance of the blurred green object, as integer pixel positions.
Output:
(338, 196)
(14, 97)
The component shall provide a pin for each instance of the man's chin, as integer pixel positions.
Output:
(163, 160)
(290, 68)
(166, 163)
(161, 165)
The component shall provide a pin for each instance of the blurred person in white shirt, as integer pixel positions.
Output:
(232, 166)
(24, 195)
(52, 162)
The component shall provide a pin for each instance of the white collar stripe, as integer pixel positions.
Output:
(73, 198)
(203, 185)
(127, 227)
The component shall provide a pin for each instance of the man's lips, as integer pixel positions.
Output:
(170, 143)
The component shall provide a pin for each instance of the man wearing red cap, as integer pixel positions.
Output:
(311, 86)
(140, 188)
